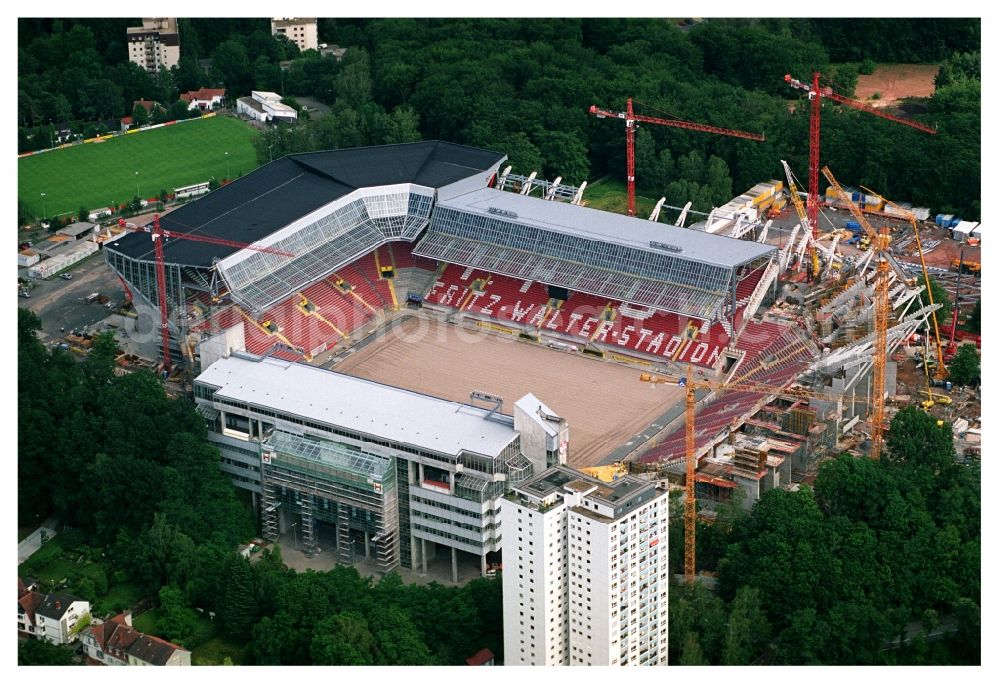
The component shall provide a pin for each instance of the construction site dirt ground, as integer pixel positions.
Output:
(897, 81)
(604, 403)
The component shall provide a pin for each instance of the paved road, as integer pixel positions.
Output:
(57, 302)
(33, 541)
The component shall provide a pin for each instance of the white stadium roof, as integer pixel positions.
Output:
(335, 399)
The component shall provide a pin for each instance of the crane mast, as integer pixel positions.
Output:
(940, 372)
(815, 92)
(631, 118)
(880, 247)
(158, 235)
(690, 386)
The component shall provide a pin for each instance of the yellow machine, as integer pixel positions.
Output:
(608, 473)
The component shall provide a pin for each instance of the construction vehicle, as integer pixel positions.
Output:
(966, 266)
(607, 473)
(631, 119)
(816, 93)
(864, 243)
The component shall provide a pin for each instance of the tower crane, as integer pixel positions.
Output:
(804, 220)
(940, 372)
(631, 119)
(880, 247)
(815, 92)
(690, 387)
(159, 235)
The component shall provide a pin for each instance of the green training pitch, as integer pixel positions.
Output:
(96, 175)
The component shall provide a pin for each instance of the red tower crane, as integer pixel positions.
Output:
(158, 235)
(815, 93)
(631, 118)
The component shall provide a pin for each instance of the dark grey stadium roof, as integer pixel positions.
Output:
(277, 193)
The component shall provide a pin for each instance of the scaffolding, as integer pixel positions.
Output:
(317, 480)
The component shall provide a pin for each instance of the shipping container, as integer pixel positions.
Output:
(50, 267)
(28, 257)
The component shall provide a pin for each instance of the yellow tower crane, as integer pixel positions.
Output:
(880, 245)
(940, 372)
(690, 387)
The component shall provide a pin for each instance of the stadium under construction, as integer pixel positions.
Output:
(361, 241)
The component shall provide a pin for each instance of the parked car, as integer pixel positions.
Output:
(24, 293)
(66, 276)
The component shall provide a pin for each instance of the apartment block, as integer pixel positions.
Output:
(154, 45)
(585, 571)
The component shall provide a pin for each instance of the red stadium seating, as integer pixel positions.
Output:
(776, 354)
(582, 316)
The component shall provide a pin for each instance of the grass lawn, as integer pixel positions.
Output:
(118, 597)
(55, 571)
(95, 175)
(609, 194)
(147, 621)
(209, 648)
(214, 651)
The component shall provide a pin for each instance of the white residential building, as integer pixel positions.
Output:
(585, 571)
(300, 31)
(51, 616)
(265, 106)
(154, 45)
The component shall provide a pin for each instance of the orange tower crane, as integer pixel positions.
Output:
(941, 372)
(690, 402)
(815, 93)
(880, 245)
(631, 119)
(158, 235)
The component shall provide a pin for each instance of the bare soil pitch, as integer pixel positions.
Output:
(897, 81)
(604, 403)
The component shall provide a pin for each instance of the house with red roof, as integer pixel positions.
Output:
(116, 642)
(205, 99)
(49, 616)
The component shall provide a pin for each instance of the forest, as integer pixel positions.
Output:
(131, 474)
(877, 563)
(524, 86)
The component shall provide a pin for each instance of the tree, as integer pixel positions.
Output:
(354, 84)
(691, 651)
(343, 639)
(916, 439)
(140, 117)
(177, 622)
(83, 214)
(964, 367)
(749, 630)
(178, 111)
(41, 652)
(159, 115)
(397, 641)
(941, 297)
(238, 609)
(565, 155)
(231, 66)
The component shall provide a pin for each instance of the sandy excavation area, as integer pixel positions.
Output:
(604, 403)
(896, 81)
